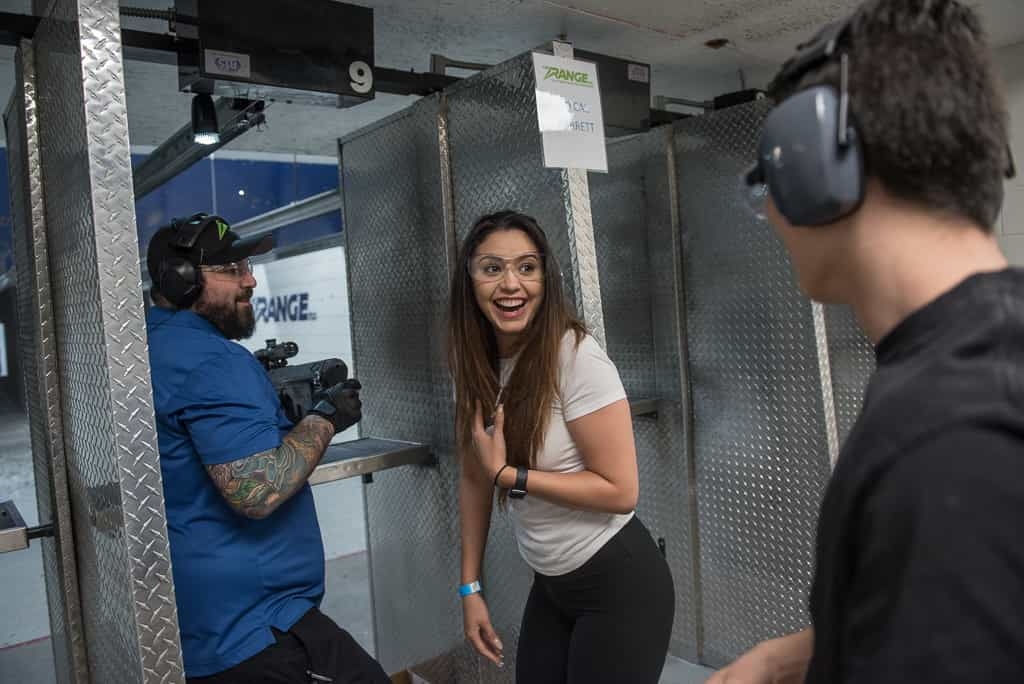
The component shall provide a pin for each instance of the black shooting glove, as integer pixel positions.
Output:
(340, 404)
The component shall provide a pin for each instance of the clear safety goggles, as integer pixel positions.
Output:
(754, 191)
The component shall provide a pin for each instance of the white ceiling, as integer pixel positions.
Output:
(668, 34)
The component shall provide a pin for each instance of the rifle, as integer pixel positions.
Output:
(297, 385)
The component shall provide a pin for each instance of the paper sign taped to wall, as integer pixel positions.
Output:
(569, 113)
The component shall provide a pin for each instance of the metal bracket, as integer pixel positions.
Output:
(14, 534)
(439, 64)
(310, 207)
(663, 101)
(643, 407)
(649, 408)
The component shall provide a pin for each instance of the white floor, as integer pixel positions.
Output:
(681, 672)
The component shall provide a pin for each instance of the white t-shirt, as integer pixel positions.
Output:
(554, 539)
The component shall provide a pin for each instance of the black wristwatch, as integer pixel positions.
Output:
(518, 490)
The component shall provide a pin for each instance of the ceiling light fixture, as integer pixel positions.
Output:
(204, 120)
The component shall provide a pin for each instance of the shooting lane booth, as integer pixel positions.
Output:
(741, 389)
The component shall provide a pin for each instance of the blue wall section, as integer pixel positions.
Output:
(244, 189)
(249, 188)
(312, 179)
(187, 193)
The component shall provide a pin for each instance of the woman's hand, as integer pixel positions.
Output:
(490, 446)
(753, 667)
(477, 623)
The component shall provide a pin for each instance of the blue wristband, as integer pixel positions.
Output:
(471, 588)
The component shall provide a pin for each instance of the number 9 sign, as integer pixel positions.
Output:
(361, 75)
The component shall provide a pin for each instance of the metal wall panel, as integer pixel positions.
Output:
(621, 205)
(398, 271)
(852, 359)
(631, 210)
(37, 349)
(761, 447)
(126, 586)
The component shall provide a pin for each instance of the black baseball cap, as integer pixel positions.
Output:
(204, 240)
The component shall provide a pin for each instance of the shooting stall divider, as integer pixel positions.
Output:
(37, 346)
(111, 594)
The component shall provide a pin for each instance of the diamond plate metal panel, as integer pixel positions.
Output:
(38, 358)
(109, 436)
(620, 207)
(631, 211)
(852, 360)
(397, 261)
(760, 439)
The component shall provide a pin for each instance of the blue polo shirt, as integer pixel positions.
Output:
(234, 578)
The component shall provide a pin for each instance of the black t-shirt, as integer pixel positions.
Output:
(920, 551)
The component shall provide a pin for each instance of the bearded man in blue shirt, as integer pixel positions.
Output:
(246, 550)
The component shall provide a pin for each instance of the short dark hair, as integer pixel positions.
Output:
(928, 105)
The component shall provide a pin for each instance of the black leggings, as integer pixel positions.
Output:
(608, 621)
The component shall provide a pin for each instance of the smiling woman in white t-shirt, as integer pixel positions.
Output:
(541, 416)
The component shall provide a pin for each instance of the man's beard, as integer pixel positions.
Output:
(234, 323)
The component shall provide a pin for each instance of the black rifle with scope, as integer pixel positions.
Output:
(297, 385)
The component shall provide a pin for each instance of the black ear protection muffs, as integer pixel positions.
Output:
(179, 279)
(809, 153)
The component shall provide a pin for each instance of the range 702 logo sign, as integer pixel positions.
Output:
(580, 78)
(283, 308)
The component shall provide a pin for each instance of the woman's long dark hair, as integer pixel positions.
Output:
(473, 349)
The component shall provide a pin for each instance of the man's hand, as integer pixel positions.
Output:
(778, 661)
(753, 667)
(340, 404)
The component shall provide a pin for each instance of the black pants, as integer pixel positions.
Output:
(314, 644)
(608, 621)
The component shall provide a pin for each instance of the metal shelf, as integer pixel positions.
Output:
(367, 456)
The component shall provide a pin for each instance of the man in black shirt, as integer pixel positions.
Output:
(883, 166)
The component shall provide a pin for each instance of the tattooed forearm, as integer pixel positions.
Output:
(257, 485)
